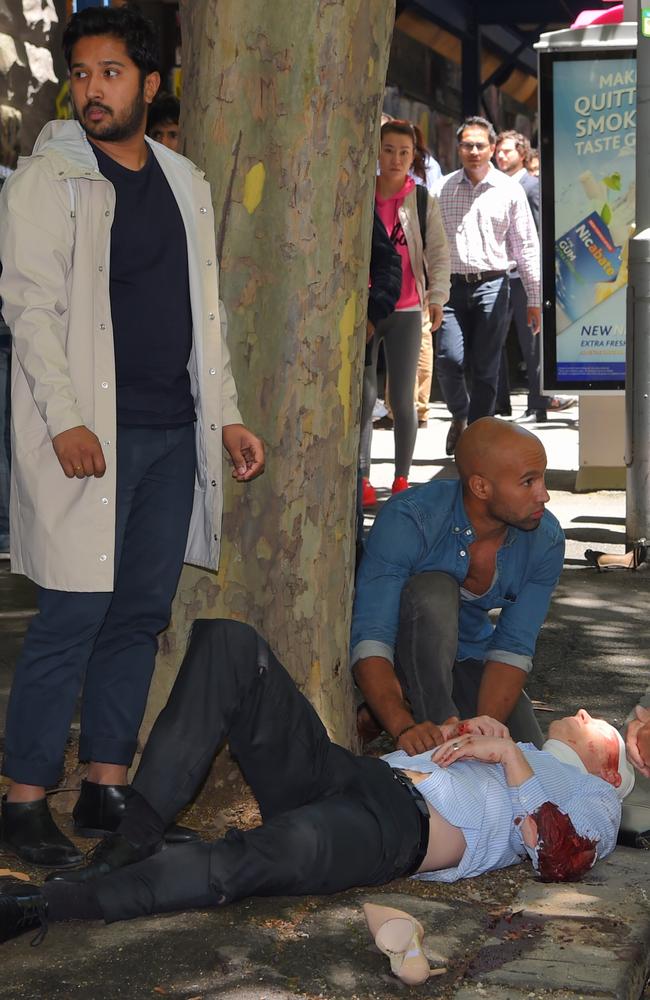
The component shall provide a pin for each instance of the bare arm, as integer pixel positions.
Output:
(381, 689)
(637, 740)
(500, 690)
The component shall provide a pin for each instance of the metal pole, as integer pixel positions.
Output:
(637, 395)
(471, 69)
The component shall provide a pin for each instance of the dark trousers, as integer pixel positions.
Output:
(436, 684)
(106, 641)
(530, 350)
(468, 346)
(330, 820)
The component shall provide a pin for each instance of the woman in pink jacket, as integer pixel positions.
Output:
(425, 285)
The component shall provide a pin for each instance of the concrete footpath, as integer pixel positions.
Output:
(505, 935)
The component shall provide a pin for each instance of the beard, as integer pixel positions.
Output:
(116, 128)
(513, 519)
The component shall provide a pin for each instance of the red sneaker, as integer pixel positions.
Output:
(368, 494)
(399, 484)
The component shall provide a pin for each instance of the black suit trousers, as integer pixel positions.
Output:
(331, 820)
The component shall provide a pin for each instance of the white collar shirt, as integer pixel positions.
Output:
(489, 227)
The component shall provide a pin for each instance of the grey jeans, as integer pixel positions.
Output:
(401, 333)
(436, 684)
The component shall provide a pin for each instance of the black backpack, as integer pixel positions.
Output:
(422, 198)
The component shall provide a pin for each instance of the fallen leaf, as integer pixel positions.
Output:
(12, 874)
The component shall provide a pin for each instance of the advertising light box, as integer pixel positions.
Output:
(588, 137)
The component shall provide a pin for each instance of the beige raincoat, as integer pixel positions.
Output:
(56, 213)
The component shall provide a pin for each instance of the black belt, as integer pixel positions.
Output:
(476, 279)
(423, 809)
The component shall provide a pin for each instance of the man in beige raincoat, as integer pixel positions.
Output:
(122, 398)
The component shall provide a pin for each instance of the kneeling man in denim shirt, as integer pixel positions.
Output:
(438, 560)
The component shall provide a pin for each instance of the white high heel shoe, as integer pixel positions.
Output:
(399, 936)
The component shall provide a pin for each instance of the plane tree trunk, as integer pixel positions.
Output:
(281, 108)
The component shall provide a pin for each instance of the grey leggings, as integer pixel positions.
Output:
(402, 336)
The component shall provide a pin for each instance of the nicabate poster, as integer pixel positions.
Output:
(594, 104)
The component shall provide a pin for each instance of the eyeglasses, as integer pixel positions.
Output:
(469, 146)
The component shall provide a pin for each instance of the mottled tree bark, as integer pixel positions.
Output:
(280, 107)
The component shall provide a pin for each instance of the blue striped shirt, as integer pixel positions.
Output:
(475, 797)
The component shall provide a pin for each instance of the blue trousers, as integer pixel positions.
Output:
(106, 641)
(469, 343)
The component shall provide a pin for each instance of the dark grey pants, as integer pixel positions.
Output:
(436, 684)
(330, 820)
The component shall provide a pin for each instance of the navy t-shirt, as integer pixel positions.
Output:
(150, 297)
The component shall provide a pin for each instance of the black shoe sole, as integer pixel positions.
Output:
(89, 833)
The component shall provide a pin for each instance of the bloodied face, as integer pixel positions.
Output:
(594, 740)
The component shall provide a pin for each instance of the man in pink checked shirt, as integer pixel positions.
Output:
(489, 228)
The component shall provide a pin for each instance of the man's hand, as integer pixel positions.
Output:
(435, 315)
(481, 725)
(419, 737)
(246, 451)
(79, 453)
(449, 728)
(637, 740)
(370, 331)
(534, 318)
(490, 750)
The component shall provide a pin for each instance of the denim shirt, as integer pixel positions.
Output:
(426, 529)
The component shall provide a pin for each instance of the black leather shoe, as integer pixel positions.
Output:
(22, 908)
(114, 851)
(455, 430)
(29, 832)
(100, 808)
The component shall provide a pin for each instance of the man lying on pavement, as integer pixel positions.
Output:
(331, 820)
